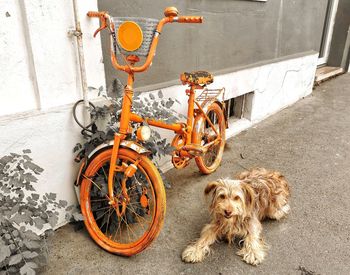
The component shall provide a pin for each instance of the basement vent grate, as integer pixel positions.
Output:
(239, 107)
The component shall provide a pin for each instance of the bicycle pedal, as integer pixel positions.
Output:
(195, 150)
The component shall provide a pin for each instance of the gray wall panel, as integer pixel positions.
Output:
(234, 33)
(302, 22)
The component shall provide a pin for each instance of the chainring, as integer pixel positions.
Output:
(177, 160)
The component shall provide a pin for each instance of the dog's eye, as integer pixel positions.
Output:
(236, 198)
(222, 196)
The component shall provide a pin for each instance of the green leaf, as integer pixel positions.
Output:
(31, 245)
(6, 190)
(77, 147)
(12, 270)
(27, 269)
(35, 168)
(68, 216)
(4, 252)
(62, 203)
(53, 221)
(27, 158)
(30, 254)
(35, 196)
(31, 235)
(169, 103)
(29, 177)
(15, 259)
(14, 210)
(69, 208)
(51, 196)
(18, 218)
(29, 187)
(78, 217)
(39, 223)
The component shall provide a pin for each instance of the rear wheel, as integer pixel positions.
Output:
(204, 134)
(124, 232)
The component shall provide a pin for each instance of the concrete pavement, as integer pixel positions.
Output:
(309, 143)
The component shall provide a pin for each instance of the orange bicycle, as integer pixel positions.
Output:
(122, 195)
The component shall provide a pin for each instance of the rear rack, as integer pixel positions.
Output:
(211, 95)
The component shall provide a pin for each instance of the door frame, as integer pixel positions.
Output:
(328, 27)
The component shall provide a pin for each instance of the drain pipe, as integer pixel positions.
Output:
(79, 35)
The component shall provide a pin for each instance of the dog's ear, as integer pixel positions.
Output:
(249, 196)
(211, 186)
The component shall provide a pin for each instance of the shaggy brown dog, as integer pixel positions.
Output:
(236, 209)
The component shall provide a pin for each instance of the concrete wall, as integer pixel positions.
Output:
(39, 82)
(340, 33)
(234, 33)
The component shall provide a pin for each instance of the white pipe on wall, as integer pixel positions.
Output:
(79, 35)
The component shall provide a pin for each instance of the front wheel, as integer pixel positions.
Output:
(139, 224)
(204, 135)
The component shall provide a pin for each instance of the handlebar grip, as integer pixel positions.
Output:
(190, 19)
(95, 14)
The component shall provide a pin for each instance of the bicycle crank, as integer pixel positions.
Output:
(178, 160)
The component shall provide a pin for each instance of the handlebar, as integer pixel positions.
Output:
(190, 19)
(170, 17)
(96, 13)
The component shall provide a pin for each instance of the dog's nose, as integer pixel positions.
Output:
(228, 213)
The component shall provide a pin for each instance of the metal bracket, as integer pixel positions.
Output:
(75, 33)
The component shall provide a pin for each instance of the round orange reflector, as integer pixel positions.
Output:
(144, 201)
(130, 36)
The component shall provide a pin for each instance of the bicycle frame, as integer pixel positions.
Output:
(180, 128)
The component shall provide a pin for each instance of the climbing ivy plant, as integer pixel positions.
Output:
(23, 210)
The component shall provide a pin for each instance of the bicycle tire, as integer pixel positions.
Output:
(101, 233)
(200, 136)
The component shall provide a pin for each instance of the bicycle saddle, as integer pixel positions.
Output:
(197, 78)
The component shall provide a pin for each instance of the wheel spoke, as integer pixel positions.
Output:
(96, 200)
(145, 221)
(101, 216)
(94, 183)
(127, 226)
(109, 215)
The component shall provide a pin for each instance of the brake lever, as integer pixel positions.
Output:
(103, 25)
(98, 30)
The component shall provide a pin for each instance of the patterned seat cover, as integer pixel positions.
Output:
(197, 78)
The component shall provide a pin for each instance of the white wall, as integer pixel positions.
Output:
(40, 81)
(38, 60)
(17, 88)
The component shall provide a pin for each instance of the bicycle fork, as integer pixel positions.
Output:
(128, 171)
(122, 199)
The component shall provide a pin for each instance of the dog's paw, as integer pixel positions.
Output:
(252, 257)
(194, 254)
(286, 209)
(281, 213)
